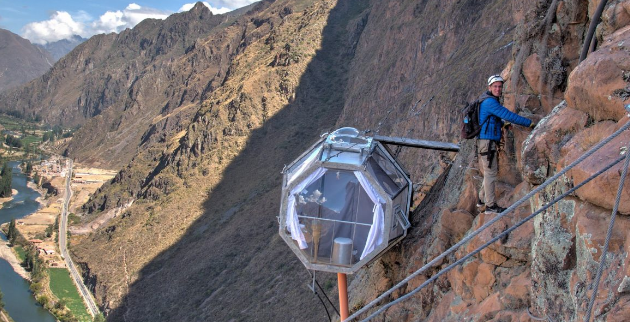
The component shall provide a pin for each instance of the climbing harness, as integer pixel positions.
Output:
(488, 224)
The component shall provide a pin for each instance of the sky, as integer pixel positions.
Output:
(43, 21)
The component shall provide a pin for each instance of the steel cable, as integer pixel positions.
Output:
(491, 222)
(494, 239)
(608, 235)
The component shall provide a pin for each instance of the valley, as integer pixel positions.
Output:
(195, 116)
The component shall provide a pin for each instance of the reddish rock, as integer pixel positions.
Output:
(592, 225)
(620, 311)
(459, 306)
(492, 257)
(516, 295)
(456, 279)
(468, 198)
(597, 86)
(512, 316)
(550, 101)
(483, 282)
(443, 308)
(531, 71)
(541, 151)
(602, 190)
(456, 223)
(488, 308)
(614, 18)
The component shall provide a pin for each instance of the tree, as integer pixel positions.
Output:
(5, 181)
(12, 141)
(1, 302)
(49, 230)
(99, 318)
(29, 168)
(12, 232)
(36, 178)
(61, 304)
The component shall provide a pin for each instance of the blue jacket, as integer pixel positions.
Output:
(491, 116)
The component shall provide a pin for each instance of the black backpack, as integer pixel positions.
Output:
(470, 121)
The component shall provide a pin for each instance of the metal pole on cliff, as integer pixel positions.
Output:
(591, 29)
(342, 285)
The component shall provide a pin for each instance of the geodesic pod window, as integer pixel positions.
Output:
(386, 173)
(336, 200)
(334, 209)
(335, 205)
(307, 159)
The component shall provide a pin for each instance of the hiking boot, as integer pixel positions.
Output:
(495, 209)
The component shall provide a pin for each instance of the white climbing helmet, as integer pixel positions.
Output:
(495, 78)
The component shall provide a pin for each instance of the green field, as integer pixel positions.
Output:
(21, 254)
(61, 285)
(30, 139)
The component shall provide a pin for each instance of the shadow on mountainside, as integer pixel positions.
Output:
(231, 265)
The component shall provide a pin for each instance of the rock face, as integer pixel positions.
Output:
(21, 61)
(547, 265)
(213, 116)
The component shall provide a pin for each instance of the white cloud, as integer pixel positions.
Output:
(117, 21)
(62, 25)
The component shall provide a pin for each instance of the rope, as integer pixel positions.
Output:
(315, 282)
(491, 241)
(491, 222)
(608, 235)
(324, 304)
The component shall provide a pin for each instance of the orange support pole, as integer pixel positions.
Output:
(342, 285)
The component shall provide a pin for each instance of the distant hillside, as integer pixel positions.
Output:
(130, 81)
(21, 61)
(60, 48)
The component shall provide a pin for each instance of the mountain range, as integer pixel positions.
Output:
(22, 61)
(200, 113)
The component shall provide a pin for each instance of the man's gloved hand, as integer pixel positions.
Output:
(533, 124)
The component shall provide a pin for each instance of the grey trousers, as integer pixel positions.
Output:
(490, 171)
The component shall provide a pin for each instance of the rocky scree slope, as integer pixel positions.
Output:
(205, 199)
(201, 235)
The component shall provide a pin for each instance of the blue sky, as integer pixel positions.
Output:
(42, 21)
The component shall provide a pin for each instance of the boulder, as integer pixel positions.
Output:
(598, 86)
(614, 17)
(532, 71)
(602, 190)
(488, 309)
(455, 224)
(541, 151)
(516, 294)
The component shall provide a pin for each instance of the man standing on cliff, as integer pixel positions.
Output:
(491, 117)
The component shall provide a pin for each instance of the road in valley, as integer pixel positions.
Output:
(63, 243)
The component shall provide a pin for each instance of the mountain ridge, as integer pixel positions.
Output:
(22, 61)
(196, 238)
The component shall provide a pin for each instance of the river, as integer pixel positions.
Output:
(18, 300)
